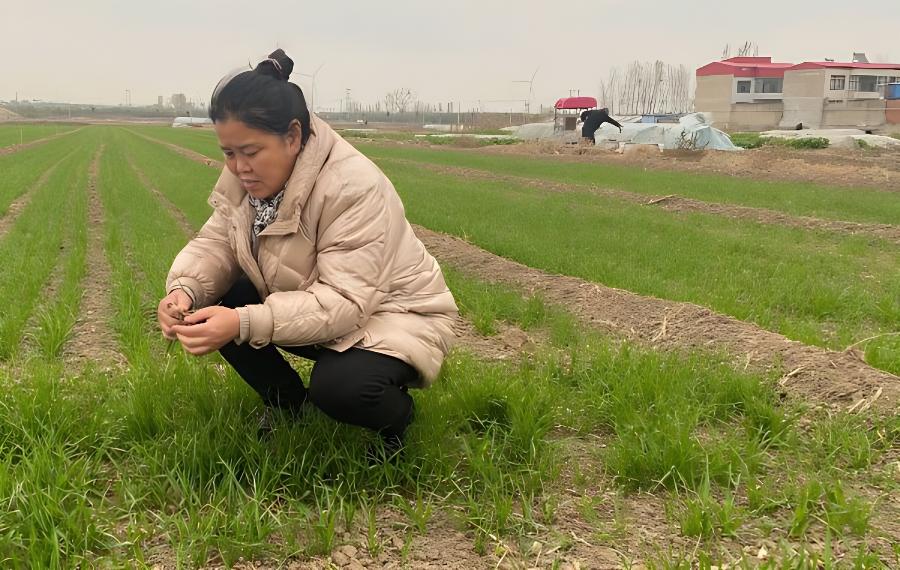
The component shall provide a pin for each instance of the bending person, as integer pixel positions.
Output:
(592, 120)
(308, 249)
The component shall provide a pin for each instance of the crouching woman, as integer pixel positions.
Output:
(308, 250)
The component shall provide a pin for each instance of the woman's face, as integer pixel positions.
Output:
(263, 161)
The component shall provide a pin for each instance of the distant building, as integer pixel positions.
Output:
(159, 101)
(755, 93)
(179, 101)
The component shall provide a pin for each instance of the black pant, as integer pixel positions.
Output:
(357, 386)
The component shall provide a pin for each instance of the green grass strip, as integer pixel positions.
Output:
(202, 140)
(30, 250)
(798, 198)
(813, 287)
(185, 183)
(22, 169)
(21, 133)
(56, 315)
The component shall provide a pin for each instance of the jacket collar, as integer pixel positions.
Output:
(298, 187)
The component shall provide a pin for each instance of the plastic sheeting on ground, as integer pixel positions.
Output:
(692, 132)
(190, 121)
(838, 138)
(466, 136)
(535, 131)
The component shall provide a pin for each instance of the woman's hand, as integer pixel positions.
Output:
(172, 310)
(208, 329)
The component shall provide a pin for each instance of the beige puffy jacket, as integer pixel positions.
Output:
(339, 267)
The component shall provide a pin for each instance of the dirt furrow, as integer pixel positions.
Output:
(674, 203)
(186, 152)
(811, 373)
(872, 170)
(20, 147)
(49, 293)
(92, 338)
(19, 204)
(173, 210)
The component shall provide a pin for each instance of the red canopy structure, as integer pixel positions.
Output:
(566, 111)
(576, 103)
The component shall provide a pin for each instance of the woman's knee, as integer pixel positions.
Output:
(337, 392)
(353, 382)
(363, 389)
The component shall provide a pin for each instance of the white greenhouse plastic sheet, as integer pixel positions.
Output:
(190, 121)
(838, 138)
(692, 132)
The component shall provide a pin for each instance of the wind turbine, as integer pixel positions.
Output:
(530, 83)
(313, 77)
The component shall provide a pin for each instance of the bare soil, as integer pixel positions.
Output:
(510, 342)
(811, 374)
(674, 203)
(640, 521)
(92, 338)
(877, 169)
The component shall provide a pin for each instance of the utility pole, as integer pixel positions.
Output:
(349, 110)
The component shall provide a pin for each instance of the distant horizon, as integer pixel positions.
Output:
(472, 53)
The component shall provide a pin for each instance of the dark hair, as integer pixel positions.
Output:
(263, 98)
(584, 115)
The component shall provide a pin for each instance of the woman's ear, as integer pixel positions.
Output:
(294, 136)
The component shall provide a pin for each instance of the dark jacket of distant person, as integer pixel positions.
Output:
(592, 121)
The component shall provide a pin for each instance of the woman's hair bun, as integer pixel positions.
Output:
(278, 65)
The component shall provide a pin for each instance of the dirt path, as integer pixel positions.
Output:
(19, 204)
(185, 152)
(92, 339)
(813, 374)
(173, 210)
(674, 203)
(20, 147)
(874, 169)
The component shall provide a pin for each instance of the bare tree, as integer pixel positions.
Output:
(647, 88)
(398, 100)
(748, 48)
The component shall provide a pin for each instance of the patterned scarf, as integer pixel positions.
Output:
(266, 211)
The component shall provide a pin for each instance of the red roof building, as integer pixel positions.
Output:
(755, 93)
(745, 67)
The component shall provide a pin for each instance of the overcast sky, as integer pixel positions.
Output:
(460, 50)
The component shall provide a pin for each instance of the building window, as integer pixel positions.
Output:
(743, 87)
(838, 82)
(769, 85)
(866, 83)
